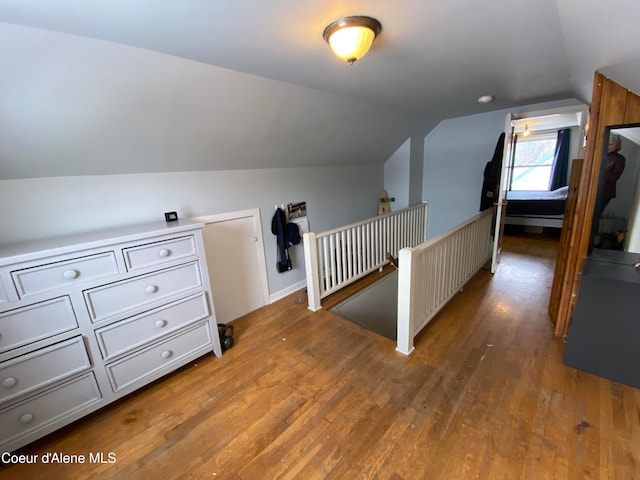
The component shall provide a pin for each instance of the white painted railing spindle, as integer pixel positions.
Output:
(345, 254)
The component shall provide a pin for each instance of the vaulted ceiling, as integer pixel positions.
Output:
(250, 84)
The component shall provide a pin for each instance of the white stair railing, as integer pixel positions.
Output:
(338, 257)
(430, 274)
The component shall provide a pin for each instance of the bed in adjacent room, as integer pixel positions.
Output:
(536, 208)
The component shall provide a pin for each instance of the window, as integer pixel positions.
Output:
(533, 161)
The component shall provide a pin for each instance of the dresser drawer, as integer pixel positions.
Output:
(126, 335)
(47, 408)
(34, 322)
(157, 253)
(137, 293)
(43, 367)
(41, 278)
(163, 355)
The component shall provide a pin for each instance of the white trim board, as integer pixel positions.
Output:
(288, 291)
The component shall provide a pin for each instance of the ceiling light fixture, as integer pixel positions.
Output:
(486, 99)
(351, 37)
(526, 132)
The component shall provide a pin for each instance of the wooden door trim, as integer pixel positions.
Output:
(611, 104)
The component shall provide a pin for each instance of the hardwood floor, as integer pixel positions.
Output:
(307, 395)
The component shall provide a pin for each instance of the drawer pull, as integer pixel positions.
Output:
(166, 354)
(164, 252)
(70, 274)
(151, 289)
(161, 323)
(25, 418)
(9, 382)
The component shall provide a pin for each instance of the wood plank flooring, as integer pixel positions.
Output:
(306, 395)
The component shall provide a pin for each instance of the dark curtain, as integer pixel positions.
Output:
(560, 160)
(491, 176)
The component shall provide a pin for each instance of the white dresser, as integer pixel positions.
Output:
(89, 318)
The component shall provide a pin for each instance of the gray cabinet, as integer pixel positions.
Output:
(87, 319)
(604, 338)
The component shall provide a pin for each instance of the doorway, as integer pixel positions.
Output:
(236, 263)
(522, 180)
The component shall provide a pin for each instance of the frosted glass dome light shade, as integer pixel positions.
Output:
(351, 37)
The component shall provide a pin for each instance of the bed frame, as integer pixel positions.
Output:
(552, 221)
(536, 208)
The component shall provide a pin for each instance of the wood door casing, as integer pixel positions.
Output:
(567, 242)
(611, 104)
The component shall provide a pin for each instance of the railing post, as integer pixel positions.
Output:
(426, 221)
(312, 271)
(406, 309)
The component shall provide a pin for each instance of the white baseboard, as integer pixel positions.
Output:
(287, 291)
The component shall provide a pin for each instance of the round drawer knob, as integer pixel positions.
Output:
(151, 289)
(163, 252)
(25, 418)
(70, 274)
(9, 382)
(166, 354)
(161, 323)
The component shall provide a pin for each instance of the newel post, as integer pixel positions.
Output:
(312, 271)
(405, 301)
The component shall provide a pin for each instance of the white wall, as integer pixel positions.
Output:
(42, 207)
(456, 152)
(78, 106)
(96, 134)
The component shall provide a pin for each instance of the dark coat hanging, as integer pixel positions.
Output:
(491, 176)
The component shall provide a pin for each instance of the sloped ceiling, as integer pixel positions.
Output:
(120, 86)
